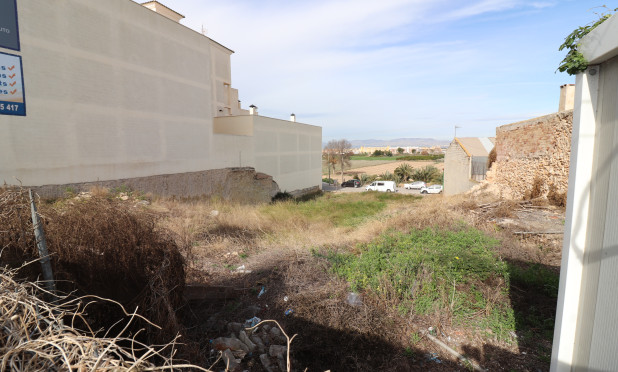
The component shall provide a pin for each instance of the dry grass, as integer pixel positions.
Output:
(36, 335)
(99, 191)
(102, 247)
(222, 234)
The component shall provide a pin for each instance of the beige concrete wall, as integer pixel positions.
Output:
(538, 147)
(113, 90)
(243, 185)
(457, 170)
(290, 152)
(116, 91)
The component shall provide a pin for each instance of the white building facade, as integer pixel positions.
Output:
(586, 332)
(114, 90)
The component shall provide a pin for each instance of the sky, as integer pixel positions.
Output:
(385, 69)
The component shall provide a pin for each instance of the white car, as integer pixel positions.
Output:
(433, 189)
(414, 185)
(386, 186)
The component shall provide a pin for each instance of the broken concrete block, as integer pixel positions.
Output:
(231, 363)
(231, 343)
(266, 363)
(242, 336)
(277, 351)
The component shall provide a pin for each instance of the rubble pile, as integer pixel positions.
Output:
(245, 344)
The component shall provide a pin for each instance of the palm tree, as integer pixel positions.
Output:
(427, 174)
(387, 176)
(403, 172)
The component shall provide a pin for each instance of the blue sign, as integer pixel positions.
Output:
(9, 33)
(12, 97)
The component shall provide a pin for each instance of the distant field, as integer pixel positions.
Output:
(372, 167)
(361, 162)
(371, 161)
(398, 157)
(373, 158)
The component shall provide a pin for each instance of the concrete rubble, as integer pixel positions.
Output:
(241, 345)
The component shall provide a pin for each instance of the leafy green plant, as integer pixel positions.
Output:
(434, 270)
(387, 176)
(427, 174)
(367, 178)
(575, 62)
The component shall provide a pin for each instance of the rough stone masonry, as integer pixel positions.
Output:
(535, 148)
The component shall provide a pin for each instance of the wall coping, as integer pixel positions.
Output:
(601, 43)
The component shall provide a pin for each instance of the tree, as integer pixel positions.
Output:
(341, 150)
(400, 150)
(427, 174)
(403, 172)
(329, 159)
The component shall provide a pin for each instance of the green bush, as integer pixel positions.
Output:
(367, 178)
(328, 180)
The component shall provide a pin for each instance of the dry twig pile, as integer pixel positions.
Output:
(36, 335)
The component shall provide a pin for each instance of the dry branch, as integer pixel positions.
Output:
(35, 336)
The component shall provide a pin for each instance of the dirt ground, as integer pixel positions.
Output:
(235, 275)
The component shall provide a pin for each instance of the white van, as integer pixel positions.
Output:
(385, 186)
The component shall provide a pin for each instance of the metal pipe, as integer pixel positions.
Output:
(39, 235)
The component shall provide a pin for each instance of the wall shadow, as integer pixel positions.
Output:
(319, 347)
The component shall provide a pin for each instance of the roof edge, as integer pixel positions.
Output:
(463, 147)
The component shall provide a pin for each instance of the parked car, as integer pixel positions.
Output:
(414, 185)
(351, 183)
(385, 186)
(433, 189)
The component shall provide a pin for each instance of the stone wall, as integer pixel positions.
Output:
(243, 185)
(538, 147)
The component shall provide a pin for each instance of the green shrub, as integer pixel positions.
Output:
(403, 172)
(427, 174)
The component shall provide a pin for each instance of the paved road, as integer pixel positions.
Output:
(330, 188)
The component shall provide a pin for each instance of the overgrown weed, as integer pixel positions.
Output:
(432, 270)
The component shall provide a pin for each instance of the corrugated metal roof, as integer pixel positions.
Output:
(476, 146)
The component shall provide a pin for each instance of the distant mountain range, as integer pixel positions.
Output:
(400, 142)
